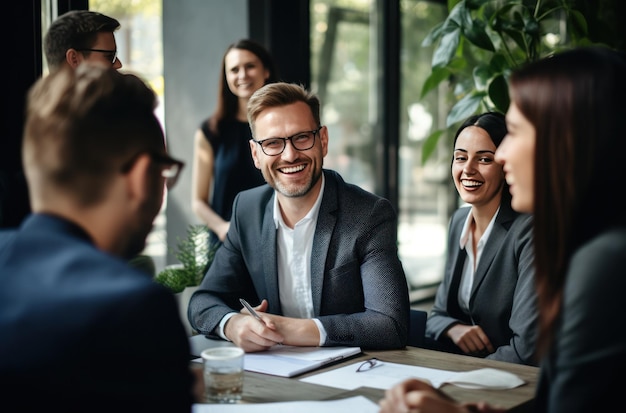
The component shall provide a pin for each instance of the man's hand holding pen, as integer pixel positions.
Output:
(266, 330)
(253, 330)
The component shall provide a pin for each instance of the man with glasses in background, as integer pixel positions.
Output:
(81, 35)
(81, 330)
(87, 36)
(316, 256)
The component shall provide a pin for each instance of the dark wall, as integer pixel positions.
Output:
(284, 27)
(20, 76)
(23, 45)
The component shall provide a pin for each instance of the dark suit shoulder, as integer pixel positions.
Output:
(262, 193)
(461, 213)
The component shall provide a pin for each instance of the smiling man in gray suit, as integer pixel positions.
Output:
(316, 255)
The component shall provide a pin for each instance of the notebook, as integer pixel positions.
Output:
(289, 361)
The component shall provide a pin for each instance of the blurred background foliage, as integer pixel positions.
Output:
(482, 41)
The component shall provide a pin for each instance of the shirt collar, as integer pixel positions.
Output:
(465, 233)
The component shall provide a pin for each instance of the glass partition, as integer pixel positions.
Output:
(344, 56)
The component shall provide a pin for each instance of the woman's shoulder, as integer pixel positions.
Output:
(595, 279)
(205, 127)
(461, 213)
(224, 129)
(601, 260)
(609, 245)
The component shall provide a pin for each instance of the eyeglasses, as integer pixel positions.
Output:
(301, 141)
(172, 171)
(111, 54)
(369, 364)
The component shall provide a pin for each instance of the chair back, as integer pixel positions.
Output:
(417, 327)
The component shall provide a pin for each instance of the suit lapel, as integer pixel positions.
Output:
(323, 231)
(453, 294)
(268, 250)
(498, 233)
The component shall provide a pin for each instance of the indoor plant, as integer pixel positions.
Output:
(481, 41)
(195, 254)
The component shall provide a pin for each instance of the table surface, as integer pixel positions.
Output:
(263, 388)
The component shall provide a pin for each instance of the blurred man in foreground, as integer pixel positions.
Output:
(80, 329)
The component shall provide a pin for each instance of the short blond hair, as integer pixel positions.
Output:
(281, 94)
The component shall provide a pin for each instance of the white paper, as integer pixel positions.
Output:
(288, 361)
(388, 374)
(381, 377)
(352, 404)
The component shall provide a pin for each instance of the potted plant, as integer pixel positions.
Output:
(481, 41)
(195, 256)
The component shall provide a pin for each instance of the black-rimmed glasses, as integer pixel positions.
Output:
(301, 141)
(172, 171)
(110, 54)
(369, 364)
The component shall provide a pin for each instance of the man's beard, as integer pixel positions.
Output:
(295, 191)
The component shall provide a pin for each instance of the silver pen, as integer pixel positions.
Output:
(253, 313)
(251, 310)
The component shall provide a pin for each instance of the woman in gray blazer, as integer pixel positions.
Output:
(486, 304)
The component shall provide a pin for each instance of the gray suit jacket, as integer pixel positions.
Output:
(585, 368)
(503, 298)
(360, 292)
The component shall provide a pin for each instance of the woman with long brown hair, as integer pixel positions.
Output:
(563, 159)
(222, 163)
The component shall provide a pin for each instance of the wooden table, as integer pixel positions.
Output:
(263, 388)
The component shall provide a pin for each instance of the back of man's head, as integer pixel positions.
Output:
(82, 127)
(76, 29)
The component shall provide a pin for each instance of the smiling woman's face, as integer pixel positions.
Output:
(517, 154)
(245, 72)
(477, 176)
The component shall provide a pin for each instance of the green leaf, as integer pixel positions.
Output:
(499, 64)
(459, 14)
(481, 75)
(499, 93)
(464, 108)
(430, 144)
(438, 75)
(578, 26)
(447, 48)
(476, 4)
(477, 35)
(432, 36)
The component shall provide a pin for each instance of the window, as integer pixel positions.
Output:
(345, 74)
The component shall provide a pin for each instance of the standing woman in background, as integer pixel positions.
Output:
(563, 159)
(222, 163)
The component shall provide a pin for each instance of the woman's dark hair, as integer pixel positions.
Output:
(575, 101)
(494, 124)
(227, 102)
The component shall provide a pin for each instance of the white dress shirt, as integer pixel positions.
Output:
(294, 248)
(469, 267)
